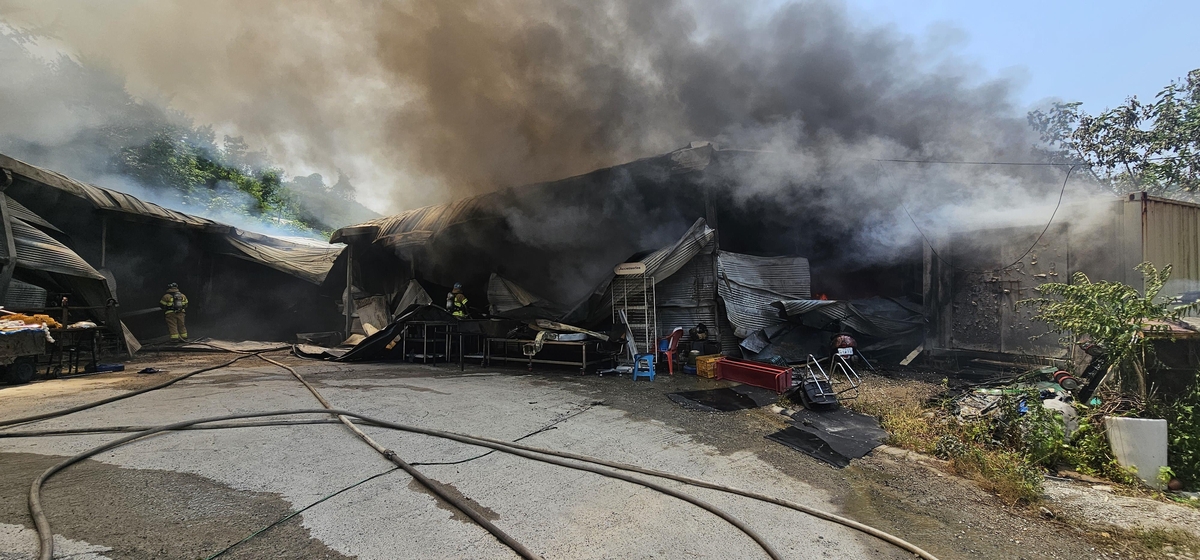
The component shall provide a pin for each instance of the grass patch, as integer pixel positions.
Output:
(1159, 539)
(1006, 453)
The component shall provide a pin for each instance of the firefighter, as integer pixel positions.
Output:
(174, 305)
(456, 302)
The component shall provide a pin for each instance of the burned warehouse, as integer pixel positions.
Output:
(123, 252)
(739, 264)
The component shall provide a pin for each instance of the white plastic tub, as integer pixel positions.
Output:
(1140, 443)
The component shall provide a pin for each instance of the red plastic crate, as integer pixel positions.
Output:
(758, 374)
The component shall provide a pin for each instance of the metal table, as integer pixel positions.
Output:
(68, 345)
(427, 336)
(462, 352)
(506, 344)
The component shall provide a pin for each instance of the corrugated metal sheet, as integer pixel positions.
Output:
(105, 199)
(305, 260)
(309, 260)
(38, 251)
(689, 297)
(749, 285)
(504, 295)
(1171, 235)
(414, 294)
(21, 295)
(878, 317)
(662, 264)
(16, 210)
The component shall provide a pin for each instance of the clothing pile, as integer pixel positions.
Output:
(15, 320)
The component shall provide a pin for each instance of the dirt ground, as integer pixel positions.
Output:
(892, 490)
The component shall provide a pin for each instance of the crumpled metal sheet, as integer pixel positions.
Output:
(414, 294)
(17, 210)
(38, 251)
(662, 264)
(307, 260)
(876, 317)
(102, 198)
(749, 286)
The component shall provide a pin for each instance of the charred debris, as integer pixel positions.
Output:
(665, 256)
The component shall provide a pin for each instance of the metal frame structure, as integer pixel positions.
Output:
(633, 303)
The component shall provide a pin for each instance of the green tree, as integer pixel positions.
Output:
(1153, 147)
(342, 188)
(1114, 315)
(164, 161)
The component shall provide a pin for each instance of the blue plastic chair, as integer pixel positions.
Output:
(643, 365)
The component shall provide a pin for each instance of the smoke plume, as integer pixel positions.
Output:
(423, 101)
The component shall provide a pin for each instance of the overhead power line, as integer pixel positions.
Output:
(933, 250)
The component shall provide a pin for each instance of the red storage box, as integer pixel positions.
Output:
(758, 374)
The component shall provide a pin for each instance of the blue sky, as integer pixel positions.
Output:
(1097, 52)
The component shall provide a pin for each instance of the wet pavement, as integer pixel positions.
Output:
(190, 494)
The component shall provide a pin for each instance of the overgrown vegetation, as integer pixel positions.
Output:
(1120, 319)
(1182, 414)
(1111, 314)
(1008, 449)
(1007, 452)
(224, 179)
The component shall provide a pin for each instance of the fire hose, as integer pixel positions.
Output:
(46, 536)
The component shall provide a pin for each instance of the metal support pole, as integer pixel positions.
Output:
(103, 240)
(348, 299)
(8, 263)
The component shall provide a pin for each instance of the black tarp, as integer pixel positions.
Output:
(375, 347)
(835, 436)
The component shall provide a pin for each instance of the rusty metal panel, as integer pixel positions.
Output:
(1171, 235)
(986, 313)
(1049, 260)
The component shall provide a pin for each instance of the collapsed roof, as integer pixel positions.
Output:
(306, 259)
(246, 284)
(43, 261)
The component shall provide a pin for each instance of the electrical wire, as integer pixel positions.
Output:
(928, 243)
(285, 518)
(1017, 163)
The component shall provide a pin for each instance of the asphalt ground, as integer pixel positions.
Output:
(191, 494)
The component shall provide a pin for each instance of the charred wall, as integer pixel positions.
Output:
(228, 297)
(560, 239)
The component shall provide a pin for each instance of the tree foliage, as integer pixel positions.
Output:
(76, 116)
(1182, 414)
(1153, 146)
(1112, 314)
(228, 178)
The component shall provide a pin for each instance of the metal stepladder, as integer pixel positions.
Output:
(633, 304)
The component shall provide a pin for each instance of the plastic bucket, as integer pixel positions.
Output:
(1140, 443)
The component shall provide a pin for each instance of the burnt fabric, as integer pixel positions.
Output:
(836, 436)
